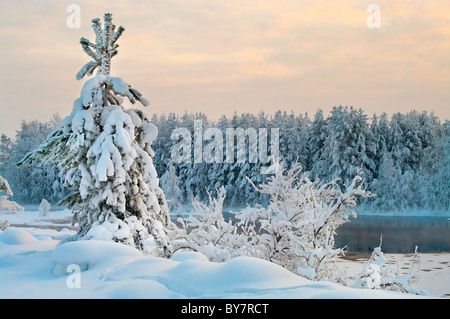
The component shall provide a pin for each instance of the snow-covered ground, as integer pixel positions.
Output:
(32, 265)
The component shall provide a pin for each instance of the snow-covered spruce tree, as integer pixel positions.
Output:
(171, 187)
(107, 152)
(297, 228)
(44, 207)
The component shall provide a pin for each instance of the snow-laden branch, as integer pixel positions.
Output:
(103, 90)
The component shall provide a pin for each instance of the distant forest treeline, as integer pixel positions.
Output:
(405, 158)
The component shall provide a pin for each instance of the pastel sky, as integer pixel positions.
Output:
(221, 56)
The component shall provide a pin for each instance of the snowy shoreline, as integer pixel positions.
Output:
(33, 265)
(433, 275)
(27, 261)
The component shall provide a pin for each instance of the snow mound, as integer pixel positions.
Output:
(115, 270)
(188, 255)
(16, 236)
(144, 289)
(188, 275)
(199, 278)
(86, 253)
(191, 275)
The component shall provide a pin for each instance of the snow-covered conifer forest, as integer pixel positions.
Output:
(405, 159)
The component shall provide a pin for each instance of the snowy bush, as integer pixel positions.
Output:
(106, 151)
(378, 273)
(5, 203)
(208, 232)
(297, 228)
(44, 208)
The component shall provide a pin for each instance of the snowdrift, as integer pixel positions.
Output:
(16, 237)
(37, 267)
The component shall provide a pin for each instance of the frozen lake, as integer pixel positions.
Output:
(400, 234)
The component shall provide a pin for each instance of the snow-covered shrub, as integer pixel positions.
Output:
(297, 228)
(106, 151)
(379, 273)
(370, 276)
(5, 203)
(208, 232)
(44, 208)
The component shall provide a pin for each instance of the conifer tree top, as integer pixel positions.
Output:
(104, 48)
(101, 52)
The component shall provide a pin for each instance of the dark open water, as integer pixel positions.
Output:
(400, 234)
